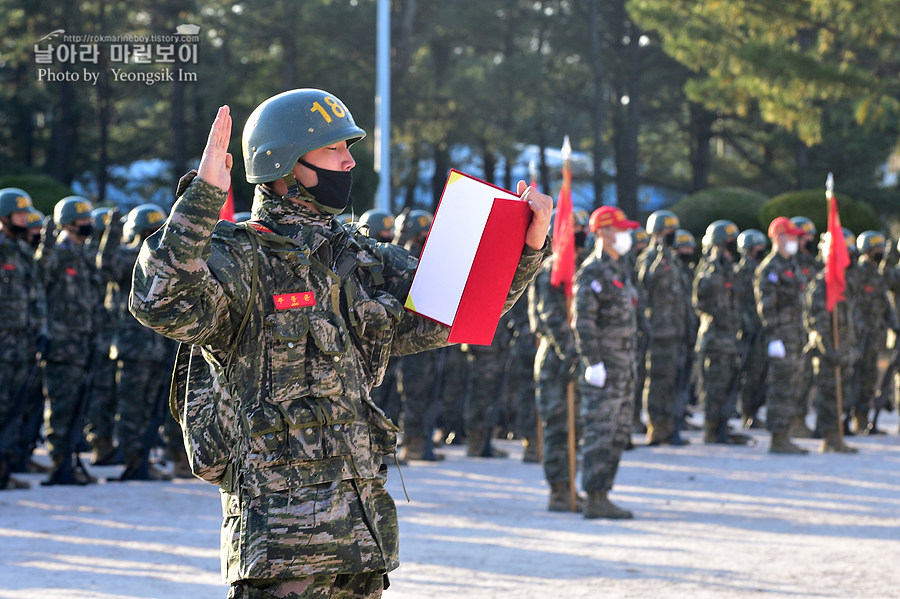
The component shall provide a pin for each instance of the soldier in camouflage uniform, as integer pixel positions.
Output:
(101, 415)
(717, 304)
(752, 245)
(305, 511)
(640, 239)
(72, 285)
(523, 409)
(808, 265)
(22, 315)
(662, 304)
(380, 224)
(685, 247)
(778, 285)
(605, 319)
(819, 323)
(143, 356)
(555, 365)
(877, 315)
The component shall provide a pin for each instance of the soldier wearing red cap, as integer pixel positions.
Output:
(605, 317)
(779, 287)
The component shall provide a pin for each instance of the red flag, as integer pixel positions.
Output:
(227, 211)
(563, 271)
(837, 260)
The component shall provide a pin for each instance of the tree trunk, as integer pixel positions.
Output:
(597, 121)
(701, 132)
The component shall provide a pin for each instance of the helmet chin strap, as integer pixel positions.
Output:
(293, 187)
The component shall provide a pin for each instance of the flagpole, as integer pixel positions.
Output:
(570, 389)
(829, 196)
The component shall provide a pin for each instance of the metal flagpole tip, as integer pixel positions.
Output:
(566, 148)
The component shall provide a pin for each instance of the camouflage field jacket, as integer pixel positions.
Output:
(327, 316)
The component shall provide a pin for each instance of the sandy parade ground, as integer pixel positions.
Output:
(711, 521)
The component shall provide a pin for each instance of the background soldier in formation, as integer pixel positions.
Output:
(605, 322)
(779, 285)
(72, 286)
(23, 319)
(717, 303)
(752, 246)
(662, 292)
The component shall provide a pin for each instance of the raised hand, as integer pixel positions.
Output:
(216, 162)
(542, 208)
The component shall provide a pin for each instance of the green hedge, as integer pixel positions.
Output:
(45, 191)
(737, 204)
(857, 216)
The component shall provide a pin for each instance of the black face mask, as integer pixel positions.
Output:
(731, 246)
(580, 238)
(811, 246)
(86, 230)
(756, 254)
(16, 230)
(686, 259)
(35, 240)
(332, 192)
(669, 238)
(877, 257)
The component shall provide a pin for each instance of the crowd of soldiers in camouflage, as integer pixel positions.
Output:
(724, 330)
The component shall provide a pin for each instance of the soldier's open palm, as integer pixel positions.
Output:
(216, 162)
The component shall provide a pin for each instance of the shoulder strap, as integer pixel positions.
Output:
(254, 286)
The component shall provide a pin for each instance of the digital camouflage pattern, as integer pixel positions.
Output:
(876, 315)
(554, 366)
(308, 496)
(753, 375)
(605, 317)
(71, 283)
(779, 286)
(22, 317)
(662, 291)
(716, 302)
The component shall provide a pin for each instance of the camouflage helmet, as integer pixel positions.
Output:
(721, 232)
(418, 221)
(377, 220)
(639, 236)
(13, 199)
(143, 217)
(749, 239)
(870, 240)
(684, 239)
(99, 217)
(35, 218)
(661, 220)
(581, 217)
(849, 239)
(802, 222)
(70, 209)
(287, 126)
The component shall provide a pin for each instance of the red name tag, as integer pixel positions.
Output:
(286, 301)
(9, 266)
(71, 271)
(727, 285)
(618, 284)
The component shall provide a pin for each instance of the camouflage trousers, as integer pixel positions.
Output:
(415, 379)
(826, 400)
(552, 404)
(753, 378)
(101, 416)
(861, 399)
(783, 382)
(367, 585)
(13, 371)
(484, 388)
(606, 415)
(63, 387)
(717, 372)
(663, 358)
(453, 395)
(138, 387)
(804, 386)
(522, 384)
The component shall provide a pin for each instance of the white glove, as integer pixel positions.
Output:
(596, 374)
(776, 349)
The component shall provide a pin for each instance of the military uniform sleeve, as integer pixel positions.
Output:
(766, 295)
(552, 316)
(185, 287)
(585, 307)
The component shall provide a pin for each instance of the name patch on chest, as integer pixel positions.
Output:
(286, 301)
